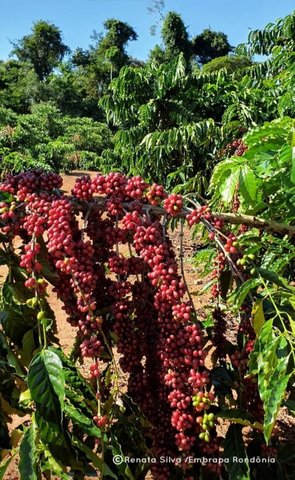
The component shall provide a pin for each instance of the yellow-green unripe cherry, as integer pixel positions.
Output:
(32, 302)
(41, 315)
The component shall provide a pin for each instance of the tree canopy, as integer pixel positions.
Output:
(112, 46)
(209, 45)
(44, 48)
(175, 37)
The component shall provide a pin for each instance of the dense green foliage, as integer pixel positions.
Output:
(173, 124)
(261, 183)
(43, 49)
(175, 38)
(230, 63)
(209, 45)
(176, 107)
(47, 139)
(264, 176)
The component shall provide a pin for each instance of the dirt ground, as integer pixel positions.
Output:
(66, 333)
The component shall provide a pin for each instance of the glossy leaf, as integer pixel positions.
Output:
(275, 278)
(28, 347)
(272, 383)
(47, 384)
(221, 172)
(96, 461)
(123, 468)
(52, 465)
(290, 404)
(84, 422)
(272, 361)
(234, 449)
(243, 290)
(28, 455)
(248, 185)
(16, 321)
(258, 316)
(239, 416)
(230, 185)
(293, 165)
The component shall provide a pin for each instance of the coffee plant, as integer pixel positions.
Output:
(49, 140)
(149, 389)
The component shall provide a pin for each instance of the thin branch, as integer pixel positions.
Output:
(233, 218)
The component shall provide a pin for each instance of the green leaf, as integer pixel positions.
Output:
(285, 155)
(206, 287)
(292, 323)
(27, 454)
(84, 422)
(230, 185)
(225, 281)
(51, 464)
(273, 402)
(11, 356)
(272, 363)
(292, 301)
(220, 173)
(16, 321)
(223, 380)
(47, 384)
(275, 278)
(50, 431)
(25, 398)
(123, 467)
(248, 184)
(234, 448)
(202, 259)
(290, 404)
(258, 316)
(7, 292)
(15, 290)
(96, 461)
(293, 165)
(239, 416)
(75, 383)
(28, 347)
(241, 293)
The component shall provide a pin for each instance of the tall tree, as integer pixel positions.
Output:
(210, 44)
(44, 48)
(19, 85)
(175, 37)
(159, 133)
(112, 46)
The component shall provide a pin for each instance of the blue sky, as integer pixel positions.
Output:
(77, 19)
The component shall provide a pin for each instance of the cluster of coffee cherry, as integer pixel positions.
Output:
(235, 148)
(116, 273)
